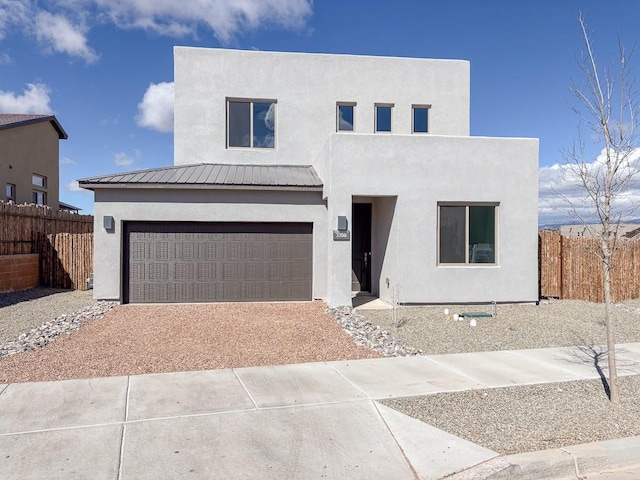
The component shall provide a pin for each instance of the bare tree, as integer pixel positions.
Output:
(607, 107)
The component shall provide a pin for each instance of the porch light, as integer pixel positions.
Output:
(107, 222)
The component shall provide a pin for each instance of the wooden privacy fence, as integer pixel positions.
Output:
(66, 260)
(63, 240)
(570, 269)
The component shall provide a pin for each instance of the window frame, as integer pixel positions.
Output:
(251, 102)
(42, 184)
(353, 105)
(34, 197)
(467, 263)
(375, 117)
(10, 197)
(415, 107)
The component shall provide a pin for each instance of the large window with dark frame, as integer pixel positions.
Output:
(467, 234)
(251, 123)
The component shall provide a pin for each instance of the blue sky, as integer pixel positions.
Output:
(105, 67)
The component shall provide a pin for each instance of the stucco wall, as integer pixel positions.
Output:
(26, 150)
(200, 206)
(422, 172)
(307, 87)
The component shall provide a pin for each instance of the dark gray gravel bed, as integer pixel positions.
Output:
(534, 417)
(23, 311)
(553, 323)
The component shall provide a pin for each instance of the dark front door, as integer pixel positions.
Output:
(361, 246)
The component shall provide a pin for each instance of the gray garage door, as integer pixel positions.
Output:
(217, 262)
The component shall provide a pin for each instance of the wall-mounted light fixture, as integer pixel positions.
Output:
(342, 222)
(107, 222)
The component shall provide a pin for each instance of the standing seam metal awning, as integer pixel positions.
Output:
(302, 177)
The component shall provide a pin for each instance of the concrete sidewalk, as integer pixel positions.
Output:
(301, 421)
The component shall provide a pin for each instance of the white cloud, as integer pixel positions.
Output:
(13, 13)
(5, 59)
(225, 18)
(67, 161)
(563, 200)
(123, 160)
(74, 186)
(63, 25)
(59, 35)
(34, 99)
(155, 111)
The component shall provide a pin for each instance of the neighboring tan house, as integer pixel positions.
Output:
(311, 176)
(29, 158)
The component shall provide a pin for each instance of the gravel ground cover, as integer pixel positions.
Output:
(138, 339)
(525, 418)
(533, 417)
(22, 311)
(553, 323)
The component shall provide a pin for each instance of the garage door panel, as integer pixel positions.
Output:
(204, 262)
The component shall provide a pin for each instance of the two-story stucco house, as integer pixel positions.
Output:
(29, 156)
(310, 176)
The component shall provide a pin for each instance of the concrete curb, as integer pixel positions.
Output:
(568, 462)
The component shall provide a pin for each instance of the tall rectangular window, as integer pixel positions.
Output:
(10, 192)
(467, 234)
(251, 123)
(420, 118)
(345, 117)
(383, 118)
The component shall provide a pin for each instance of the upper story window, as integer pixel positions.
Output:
(467, 234)
(10, 193)
(383, 117)
(345, 116)
(39, 181)
(251, 123)
(420, 118)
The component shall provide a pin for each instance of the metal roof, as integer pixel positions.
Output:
(11, 120)
(213, 175)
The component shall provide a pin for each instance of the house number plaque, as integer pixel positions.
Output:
(341, 235)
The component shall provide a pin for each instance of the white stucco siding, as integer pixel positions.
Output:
(200, 206)
(306, 88)
(425, 171)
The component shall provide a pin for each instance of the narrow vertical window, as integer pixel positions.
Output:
(383, 118)
(345, 117)
(10, 193)
(251, 124)
(420, 119)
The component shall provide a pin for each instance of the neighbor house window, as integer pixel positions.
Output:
(345, 117)
(251, 123)
(420, 118)
(39, 198)
(39, 181)
(383, 118)
(10, 193)
(467, 234)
